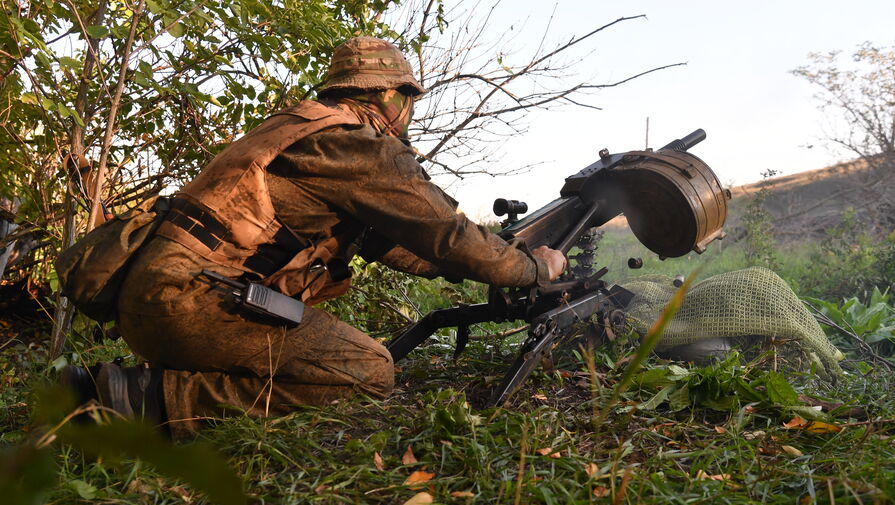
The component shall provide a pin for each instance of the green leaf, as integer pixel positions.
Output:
(779, 390)
(722, 403)
(863, 367)
(653, 377)
(677, 372)
(879, 336)
(154, 7)
(657, 399)
(84, 490)
(879, 297)
(69, 62)
(144, 68)
(807, 412)
(97, 32)
(177, 30)
(679, 399)
(120, 31)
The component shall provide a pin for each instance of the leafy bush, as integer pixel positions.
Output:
(723, 386)
(382, 300)
(873, 321)
(849, 261)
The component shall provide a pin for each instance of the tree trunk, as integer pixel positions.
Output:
(7, 227)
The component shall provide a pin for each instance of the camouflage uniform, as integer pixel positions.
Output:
(349, 188)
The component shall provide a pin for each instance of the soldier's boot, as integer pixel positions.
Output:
(134, 392)
(80, 381)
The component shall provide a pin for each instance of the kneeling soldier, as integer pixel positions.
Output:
(287, 206)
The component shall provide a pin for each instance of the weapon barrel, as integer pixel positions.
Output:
(682, 145)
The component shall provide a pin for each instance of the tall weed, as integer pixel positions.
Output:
(760, 247)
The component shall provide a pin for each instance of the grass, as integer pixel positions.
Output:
(573, 435)
(545, 448)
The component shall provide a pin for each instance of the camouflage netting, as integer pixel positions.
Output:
(747, 305)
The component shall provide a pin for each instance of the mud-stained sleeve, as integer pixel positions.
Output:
(378, 248)
(383, 186)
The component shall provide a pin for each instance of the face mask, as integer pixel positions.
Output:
(389, 112)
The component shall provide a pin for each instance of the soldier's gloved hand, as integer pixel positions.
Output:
(556, 260)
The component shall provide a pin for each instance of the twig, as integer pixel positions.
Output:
(501, 334)
(110, 122)
(386, 304)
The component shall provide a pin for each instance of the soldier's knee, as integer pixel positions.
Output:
(380, 373)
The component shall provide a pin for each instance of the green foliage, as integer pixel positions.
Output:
(725, 386)
(382, 300)
(452, 417)
(759, 225)
(197, 76)
(872, 320)
(648, 343)
(848, 261)
(701, 424)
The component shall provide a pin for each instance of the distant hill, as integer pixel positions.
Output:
(807, 204)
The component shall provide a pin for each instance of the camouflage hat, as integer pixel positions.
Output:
(368, 63)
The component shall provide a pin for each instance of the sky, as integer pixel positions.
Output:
(737, 85)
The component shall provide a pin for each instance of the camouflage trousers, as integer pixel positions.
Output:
(221, 357)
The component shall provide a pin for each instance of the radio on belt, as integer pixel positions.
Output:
(263, 300)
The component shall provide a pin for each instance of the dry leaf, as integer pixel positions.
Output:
(721, 429)
(601, 491)
(182, 493)
(377, 460)
(548, 451)
(321, 488)
(418, 476)
(591, 469)
(796, 422)
(408, 458)
(423, 498)
(822, 427)
(812, 426)
(462, 494)
(792, 451)
(701, 475)
(539, 397)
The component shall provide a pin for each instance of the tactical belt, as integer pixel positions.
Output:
(212, 233)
